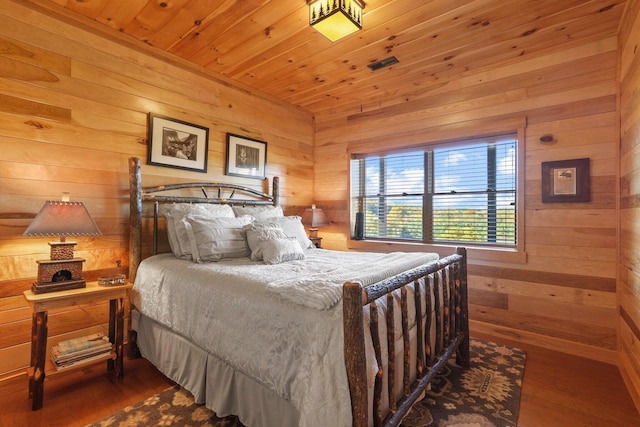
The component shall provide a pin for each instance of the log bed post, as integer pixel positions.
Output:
(462, 355)
(135, 217)
(354, 352)
(275, 191)
(135, 243)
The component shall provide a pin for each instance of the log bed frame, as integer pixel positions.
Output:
(448, 295)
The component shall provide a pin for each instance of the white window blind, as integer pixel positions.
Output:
(463, 192)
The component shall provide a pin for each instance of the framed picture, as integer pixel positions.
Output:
(566, 181)
(177, 144)
(246, 157)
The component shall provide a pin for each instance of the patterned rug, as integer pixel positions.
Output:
(485, 395)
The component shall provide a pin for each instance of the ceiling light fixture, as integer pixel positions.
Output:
(335, 19)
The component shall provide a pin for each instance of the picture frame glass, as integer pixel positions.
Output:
(246, 157)
(178, 144)
(564, 182)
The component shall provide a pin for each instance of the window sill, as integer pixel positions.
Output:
(479, 253)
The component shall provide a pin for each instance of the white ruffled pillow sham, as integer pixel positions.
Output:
(259, 212)
(176, 232)
(213, 239)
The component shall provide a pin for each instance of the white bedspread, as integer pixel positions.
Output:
(245, 313)
(323, 290)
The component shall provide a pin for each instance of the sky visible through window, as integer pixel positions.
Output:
(457, 170)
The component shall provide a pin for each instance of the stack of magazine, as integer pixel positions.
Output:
(78, 350)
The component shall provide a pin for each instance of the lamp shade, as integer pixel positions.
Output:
(314, 217)
(58, 218)
(335, 19)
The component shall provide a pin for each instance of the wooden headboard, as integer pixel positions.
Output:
(205, 192)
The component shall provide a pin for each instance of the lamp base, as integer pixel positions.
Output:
(58, 275)
(44, 287)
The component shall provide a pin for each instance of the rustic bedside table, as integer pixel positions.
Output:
(42, 303)
(317, 241)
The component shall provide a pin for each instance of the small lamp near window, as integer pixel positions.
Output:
(65, 219)
(314, 218)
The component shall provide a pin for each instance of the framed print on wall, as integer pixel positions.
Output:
(177, 144)
(246, 157)
(566, 181)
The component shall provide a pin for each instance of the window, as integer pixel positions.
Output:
(462, 192)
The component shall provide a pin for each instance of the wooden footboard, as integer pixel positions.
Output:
(439, 288)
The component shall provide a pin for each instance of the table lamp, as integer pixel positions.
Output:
(65, 219)
(314, 218)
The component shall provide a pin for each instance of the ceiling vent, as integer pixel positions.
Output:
(383, 63)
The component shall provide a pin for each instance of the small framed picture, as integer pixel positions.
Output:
(566, 181)
(177, 144)
(246, 157)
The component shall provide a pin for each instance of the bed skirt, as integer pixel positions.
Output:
(210, 380)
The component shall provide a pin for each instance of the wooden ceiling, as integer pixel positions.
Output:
(267, 45)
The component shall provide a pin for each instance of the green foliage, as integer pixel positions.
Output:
(404, 222)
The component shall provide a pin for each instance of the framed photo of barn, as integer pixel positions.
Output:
(246, 157)
(177, 144)
(566, 181)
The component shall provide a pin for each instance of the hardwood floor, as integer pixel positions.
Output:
(79, 397)
(561, 390)
(558, 390)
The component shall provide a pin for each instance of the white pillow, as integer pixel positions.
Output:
(257, 234)
(292, 227)
(258, 212)
(213, 239)
(275, 251)
(174, 213)
(217, 211)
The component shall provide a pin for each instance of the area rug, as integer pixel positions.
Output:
(485, 395)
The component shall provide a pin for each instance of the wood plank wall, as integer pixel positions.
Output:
(73, 109)
(629, 271)
(563, 296)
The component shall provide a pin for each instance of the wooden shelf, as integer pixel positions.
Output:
(41, 366)
(51, 370)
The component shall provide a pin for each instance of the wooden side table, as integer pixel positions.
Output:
(42, 303)
(317, 241)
